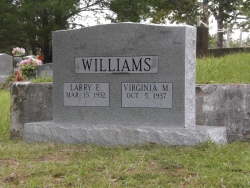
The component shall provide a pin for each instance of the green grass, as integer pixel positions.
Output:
(43, 79)
(56, 165)
(230, 69)
(62, 165)
(4, 114)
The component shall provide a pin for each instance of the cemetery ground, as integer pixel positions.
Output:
(230, 69)
(64, 165)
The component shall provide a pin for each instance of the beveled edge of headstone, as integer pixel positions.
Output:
(122, 23)
(121, 135)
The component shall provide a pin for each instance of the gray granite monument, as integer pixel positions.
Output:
(45, 70)
(124, 83)
(6, 66)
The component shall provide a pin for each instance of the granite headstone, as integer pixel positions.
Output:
(6, 66)
(143, 74)
(45, 70)
(124, 84)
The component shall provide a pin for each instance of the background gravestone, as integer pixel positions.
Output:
(124, 84)
(6, 66)
(45, 70)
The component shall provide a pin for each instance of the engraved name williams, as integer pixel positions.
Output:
(117, 64)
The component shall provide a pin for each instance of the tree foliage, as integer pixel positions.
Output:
(10, 30)
(246, 12)
(184, 11)
(224, 11)
(29, 23)
(129, 10)
(40, 17)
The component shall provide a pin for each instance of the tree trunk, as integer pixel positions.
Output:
(46, 50)
(33, 46)
(206, 12)
(45, 38)
(220, 34)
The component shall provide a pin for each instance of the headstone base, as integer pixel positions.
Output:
(48, 131)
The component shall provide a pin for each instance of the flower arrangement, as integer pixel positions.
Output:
(17, 76)
(40, 57)
(18, 51)
(29, 66)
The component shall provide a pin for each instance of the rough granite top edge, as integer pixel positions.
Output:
(127, 23)
(29, 82)
(21, 83)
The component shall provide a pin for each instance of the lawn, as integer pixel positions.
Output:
(63, 165)
(57, 165)
(230, 69)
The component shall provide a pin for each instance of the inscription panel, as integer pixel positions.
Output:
(148, 95)
(138, 64)
(86, 94)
